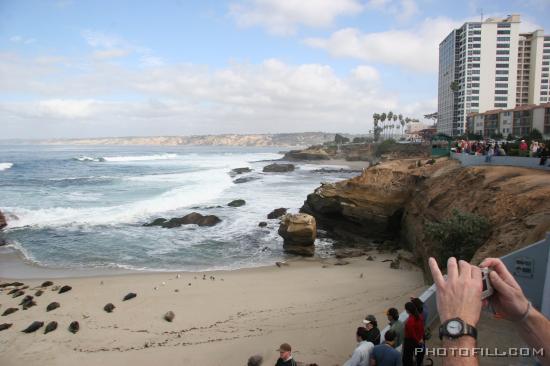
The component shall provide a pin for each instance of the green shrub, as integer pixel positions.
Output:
(458, 236)
(384, 147)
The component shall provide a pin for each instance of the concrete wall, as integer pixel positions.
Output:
(523, 162)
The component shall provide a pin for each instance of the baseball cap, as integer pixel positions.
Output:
(285, 347)
(369, 319)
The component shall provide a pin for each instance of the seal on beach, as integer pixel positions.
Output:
(33, 327)
(52, 306)
(55, 288)
(109, 308)
(13, 291)
(74, 327)
(65, 289)
(26, 299)
(129, 296)
(46, 284)
(5, 326)
(38, 293)
(9, 311)
(169, 316)
(18, 293)
(29, 304)
(50, 327)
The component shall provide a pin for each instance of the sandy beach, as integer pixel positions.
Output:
(315, 305)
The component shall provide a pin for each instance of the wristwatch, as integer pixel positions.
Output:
(455, 328)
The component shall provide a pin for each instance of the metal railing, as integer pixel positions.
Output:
(518, 161)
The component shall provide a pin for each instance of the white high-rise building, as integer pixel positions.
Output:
(489, 65)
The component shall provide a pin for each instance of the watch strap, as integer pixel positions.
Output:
(467, 329)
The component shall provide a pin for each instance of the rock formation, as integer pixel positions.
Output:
(238, 171)
(279, 168)
(276, 213)
(3, 222)
(192, 218)
(237, 203)
(396, 199)
(299, 232)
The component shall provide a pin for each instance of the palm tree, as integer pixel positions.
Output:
(383, 119)
(394, 120)
(402, 123)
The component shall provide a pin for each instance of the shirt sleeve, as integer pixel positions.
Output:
(355, 359)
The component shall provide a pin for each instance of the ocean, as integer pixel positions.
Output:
(83, 207)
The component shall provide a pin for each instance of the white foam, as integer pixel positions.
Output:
(121, 159)
(199, 188)
(5, 166)
(89, 158)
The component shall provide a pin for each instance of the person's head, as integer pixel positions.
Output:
(255, 360)
(370, 322)
(393, 314)
(418, 303)
(285, 351)
(411, 309)
(389, 337)
(361, 334)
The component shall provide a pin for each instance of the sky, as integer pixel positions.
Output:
(99, 68)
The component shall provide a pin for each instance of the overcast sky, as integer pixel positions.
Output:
(121, 68)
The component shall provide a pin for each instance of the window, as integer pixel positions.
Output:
(503, 58)
(501, 91)
(503, 52)
(475, 85)
(501, 85)
(544, 69)
(503, 39)
(501, 99)
(503, 25)
(546, 50)
(475, 91)
(503, 45)
(505, 66)
(501, 78)
(544, 75)
(475, 78)
(544, 81)
(501, 105)
(503, 31)
(502, 72)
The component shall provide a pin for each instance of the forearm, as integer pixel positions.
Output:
(454, 357)
(535, 331)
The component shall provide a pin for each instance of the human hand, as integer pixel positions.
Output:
(508, 298)
(460, 294)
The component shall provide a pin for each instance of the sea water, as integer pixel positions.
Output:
(81, 207)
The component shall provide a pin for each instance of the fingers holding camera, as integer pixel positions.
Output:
(436, 273)
(513, 302)
(499, 267)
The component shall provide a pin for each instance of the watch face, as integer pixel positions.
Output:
(454, 327)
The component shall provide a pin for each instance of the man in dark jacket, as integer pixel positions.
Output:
(372, 328)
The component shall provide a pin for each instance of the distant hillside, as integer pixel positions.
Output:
(279, 139)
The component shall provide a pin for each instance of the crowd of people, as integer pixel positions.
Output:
(490, 148)
(458, 297)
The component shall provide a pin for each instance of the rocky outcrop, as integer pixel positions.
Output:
(299, 232)
(237, 203)
(396, 199)
(244, 180)
(238, 171)
(364, 207)
(192, 218)
(279, 168)
(3, 222)
(276, 213)
(311, 153)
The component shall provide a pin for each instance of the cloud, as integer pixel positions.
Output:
(111, 53)
(402, 10)
(184, 99)
(414, 49)
(283, 17)
(102, 40)
(22, 40)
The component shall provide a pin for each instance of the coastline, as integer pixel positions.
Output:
(315, 305)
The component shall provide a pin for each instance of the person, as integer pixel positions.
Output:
(459, 296)
(372, 327)
(414, 334)
(422, 309)
(489, 152)
(544, 154)
(523, 148)
(361, 354)
(385, 354)
(534, 148)
(396, 325)
(255, 360)
(285, 356)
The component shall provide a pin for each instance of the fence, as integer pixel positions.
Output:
(524, 162)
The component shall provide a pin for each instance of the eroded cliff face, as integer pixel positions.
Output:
(396, 199)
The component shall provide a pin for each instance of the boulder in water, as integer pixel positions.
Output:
(276, 213)
(3, 222)
(279, 168)
(156, 222)
(238, 171)
(192, 218)
(237, 203)
(244, 180)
